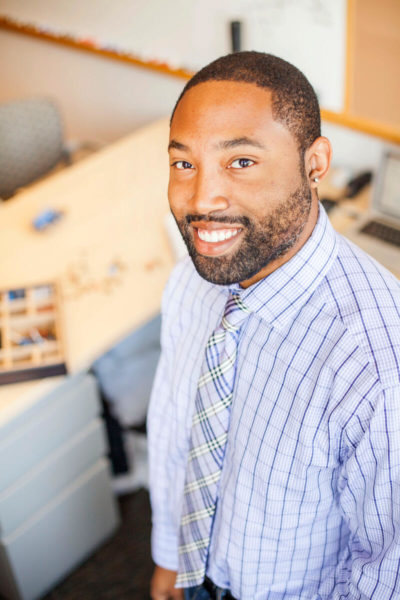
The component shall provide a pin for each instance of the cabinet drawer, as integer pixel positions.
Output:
(64, 415)
(37, 487)
(60, 536)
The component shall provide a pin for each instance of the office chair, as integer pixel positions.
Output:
(125, 375)
(31, 142)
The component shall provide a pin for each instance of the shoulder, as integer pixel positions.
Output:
(361, 283)
(366, 298)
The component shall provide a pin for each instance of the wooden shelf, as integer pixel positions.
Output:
(88, 46)
(345, 118)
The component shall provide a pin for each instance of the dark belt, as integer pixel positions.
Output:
(212, 590)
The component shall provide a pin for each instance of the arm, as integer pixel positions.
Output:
(159, 426)
(370, 501)
(166, 463)
(164, 537)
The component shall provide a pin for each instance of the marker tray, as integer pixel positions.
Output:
(31, 339)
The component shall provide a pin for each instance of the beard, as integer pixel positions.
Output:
(263, 240)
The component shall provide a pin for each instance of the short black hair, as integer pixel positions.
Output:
(294, 101)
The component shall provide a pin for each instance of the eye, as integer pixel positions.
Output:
(241, 163)
(182, 164)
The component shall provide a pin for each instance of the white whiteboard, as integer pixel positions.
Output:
(311, 34)
(190, 33)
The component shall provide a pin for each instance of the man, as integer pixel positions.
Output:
(274, 424)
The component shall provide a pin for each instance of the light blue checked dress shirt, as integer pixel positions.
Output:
(309, 497)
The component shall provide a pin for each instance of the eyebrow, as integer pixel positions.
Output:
(241, 141)
(174, 145)
(224, 145)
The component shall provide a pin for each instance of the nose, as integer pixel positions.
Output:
(209, 194)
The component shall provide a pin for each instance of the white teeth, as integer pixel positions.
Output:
(217, 235)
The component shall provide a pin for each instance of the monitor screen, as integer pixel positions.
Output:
(387, 188)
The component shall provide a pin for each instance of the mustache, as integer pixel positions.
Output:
(245, 221)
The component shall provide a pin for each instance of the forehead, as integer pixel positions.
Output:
(216, 110)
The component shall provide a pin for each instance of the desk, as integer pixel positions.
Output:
(347, 216)
(114, 204)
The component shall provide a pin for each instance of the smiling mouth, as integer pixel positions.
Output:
(213, 241)
(216, 235)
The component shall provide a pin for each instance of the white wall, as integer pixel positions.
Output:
(353, 150)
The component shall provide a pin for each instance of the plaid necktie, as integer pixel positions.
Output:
(207, 443)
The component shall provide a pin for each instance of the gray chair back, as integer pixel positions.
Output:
(31, 142)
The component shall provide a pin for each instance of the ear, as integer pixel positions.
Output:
(317, 160)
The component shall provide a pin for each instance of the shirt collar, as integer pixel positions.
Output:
(282, 293)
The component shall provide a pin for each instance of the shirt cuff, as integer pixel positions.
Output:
(164, 549)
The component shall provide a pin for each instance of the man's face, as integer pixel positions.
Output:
(237, 185)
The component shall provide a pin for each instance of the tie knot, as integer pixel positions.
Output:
(235, 313)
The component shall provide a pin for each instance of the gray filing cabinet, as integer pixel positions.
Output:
(56, 502)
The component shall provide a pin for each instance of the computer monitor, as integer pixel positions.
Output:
(386, 194)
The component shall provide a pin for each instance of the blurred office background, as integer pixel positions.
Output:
(113, 67)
